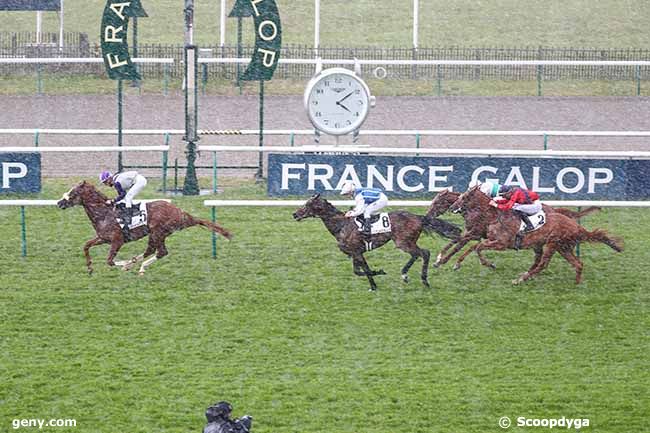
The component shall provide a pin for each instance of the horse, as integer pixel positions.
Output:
(163, 219)
(559, 234)
(406, 230)
(476, 225)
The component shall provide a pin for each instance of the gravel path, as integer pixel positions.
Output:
(286, 112)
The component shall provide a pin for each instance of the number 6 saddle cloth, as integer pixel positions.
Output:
(379, 223)
(537, 220)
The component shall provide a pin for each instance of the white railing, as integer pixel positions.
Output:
(24, 149)
(437, 62)
(430, 151)
(47, 60)
(416, 203)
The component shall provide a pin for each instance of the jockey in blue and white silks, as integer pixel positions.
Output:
(128, 184)
(368, 201)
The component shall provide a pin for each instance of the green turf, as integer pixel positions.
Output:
(279, 326)
(510, 23)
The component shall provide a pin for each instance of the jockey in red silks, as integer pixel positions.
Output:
(522, 202)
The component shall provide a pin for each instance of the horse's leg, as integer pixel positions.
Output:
(494, 244)
(424, 276)
(154, 245)
(439, 258)
(538, 256)
(87, 246)
(570, 257)
(369, 273)
(549, 250)
(116, 244)
(467, 252)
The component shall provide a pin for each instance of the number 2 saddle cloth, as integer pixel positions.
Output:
(379, 223)
(537, 220)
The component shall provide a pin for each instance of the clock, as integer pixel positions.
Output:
(337, 101)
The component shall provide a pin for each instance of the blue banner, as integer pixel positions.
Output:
(20, 172)
(403, 176)
(30, 5)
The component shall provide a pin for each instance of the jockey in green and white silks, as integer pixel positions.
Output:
(368, 202)
(491, 189)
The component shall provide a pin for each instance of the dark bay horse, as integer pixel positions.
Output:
(559, 234)
(476, 225)
(163, 219)
(406, 230)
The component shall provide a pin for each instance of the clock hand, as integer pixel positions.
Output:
(345, 97)
(343, 106)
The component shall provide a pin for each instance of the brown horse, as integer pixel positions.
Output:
(559, 234)
(163, 219)
(476, 224)
(406, 230)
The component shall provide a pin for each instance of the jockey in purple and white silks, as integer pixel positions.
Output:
(368, 201)
(128, 184)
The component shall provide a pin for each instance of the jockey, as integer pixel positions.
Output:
(368, 201)
(491, 189)
(523, 203)
(128, 184)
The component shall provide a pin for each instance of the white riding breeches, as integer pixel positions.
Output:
(528, 209)
(138, 185)
(374, 207)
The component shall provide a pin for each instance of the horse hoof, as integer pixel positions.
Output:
(456, 266)
(90, 271)
(492, 266)
(405, 278)
(372, 289)
(436, 265)
(517, 281)
(426, 284)
(141, 274)
(381, 272)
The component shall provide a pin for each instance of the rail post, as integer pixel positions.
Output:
(539, 80)
(165, 157)
(439, 79)
(214, 172)
(260, 162)
(23, 232)
(119, 124)
(165, 79)
(214, 235)
(638, 80)
(545, 141)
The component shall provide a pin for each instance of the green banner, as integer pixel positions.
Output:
(268, 37)
(115, 50)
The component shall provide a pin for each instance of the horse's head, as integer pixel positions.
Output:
(77, 195)
(314, 207)
(471, 198)
(442, 201)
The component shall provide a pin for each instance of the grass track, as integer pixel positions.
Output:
(279, 326)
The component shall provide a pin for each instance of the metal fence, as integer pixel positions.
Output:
(78, 45)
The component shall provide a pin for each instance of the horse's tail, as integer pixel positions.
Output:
(210, 225)
(575, 215)
(442, 227)
(602, 236)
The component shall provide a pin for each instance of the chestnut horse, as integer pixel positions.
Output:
(476, 224)
(163, 219)
(559, 234)
(406, 230)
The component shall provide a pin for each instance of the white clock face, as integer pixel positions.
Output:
(338, 103)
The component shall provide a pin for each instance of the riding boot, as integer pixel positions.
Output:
(365, 231)
(524, 218)
(518, 238)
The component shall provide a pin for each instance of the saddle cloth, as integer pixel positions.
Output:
(378, 223)
(537, 220)
(138, 216)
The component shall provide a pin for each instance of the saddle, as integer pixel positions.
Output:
(131, 218)
(378, 223)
